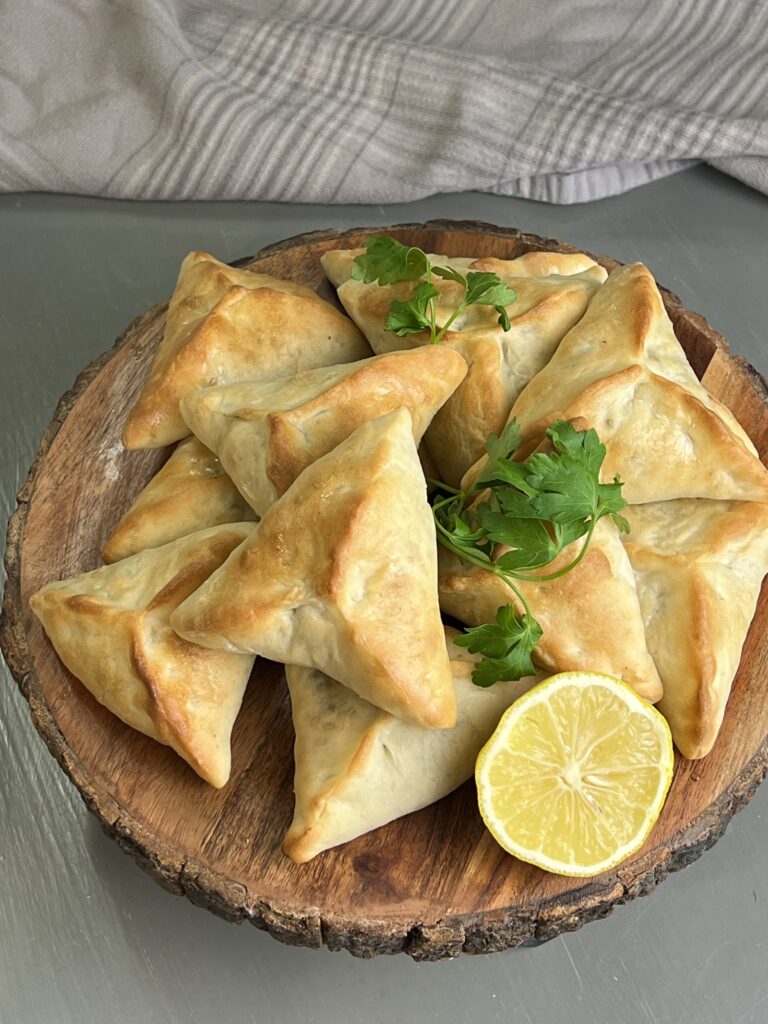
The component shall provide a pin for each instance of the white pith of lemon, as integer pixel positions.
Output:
(576, 774)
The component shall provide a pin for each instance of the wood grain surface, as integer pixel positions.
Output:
(433, 884)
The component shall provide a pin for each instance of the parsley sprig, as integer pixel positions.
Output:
(534, 508)
(388, 261)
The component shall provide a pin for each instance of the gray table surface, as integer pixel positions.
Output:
(84, 935)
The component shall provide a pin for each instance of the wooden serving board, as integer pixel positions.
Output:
(433, 884)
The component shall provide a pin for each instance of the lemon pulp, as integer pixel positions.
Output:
(576, 773)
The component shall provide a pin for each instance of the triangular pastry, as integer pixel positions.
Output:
(203, 281)
(190, 492)
(338, 263)
(110, 628)
(627, 325)
(358, 767)
(699, 566)
(267, 432)
(553, 290)
(259, 327)
(590, 616)
(341, 575)
(623, 371)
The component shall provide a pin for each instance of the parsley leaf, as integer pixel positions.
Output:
(414, 315)
(531, 543)
(569, 480)
(506, 646)
(499, 449)
(504, 316)
(488, 290)
(515, 500)
(567, 533)
(388, 261)
(518, 517)
(620, 521)
(449, 274)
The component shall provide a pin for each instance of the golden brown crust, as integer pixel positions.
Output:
(358, 767)
(626, 324)
(419, 381)
(540, 264)
(110, 628)
(553, 291)
(308, 833)
(190, 492)
(263, 329)
(498, 370)
(622, 371)
(582, 613)
(266, 433)
(337, 264)
(699, 565)
(202, 283)
(341, 575)
(663, 441)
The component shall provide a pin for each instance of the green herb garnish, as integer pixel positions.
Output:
(388, 261)
(535, 508)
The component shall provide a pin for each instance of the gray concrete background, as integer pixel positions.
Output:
(85, 937)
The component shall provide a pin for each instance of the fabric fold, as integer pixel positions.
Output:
(336, 102)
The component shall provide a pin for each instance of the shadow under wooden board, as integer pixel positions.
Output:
(433, 884)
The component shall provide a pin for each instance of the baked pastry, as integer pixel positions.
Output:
(203, 281)
(110, 628)
(341, 575)
(337, 264)
(190, 492)
(267, 432)
(227, 325)
(358, 767)
(590, 617)
(623, 371)
(699, 566)
(553, 290)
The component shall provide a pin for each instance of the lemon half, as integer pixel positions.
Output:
(576, 774)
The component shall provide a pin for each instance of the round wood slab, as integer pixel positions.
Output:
(433, 884)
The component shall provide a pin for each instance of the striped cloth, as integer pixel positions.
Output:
(335, 101)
